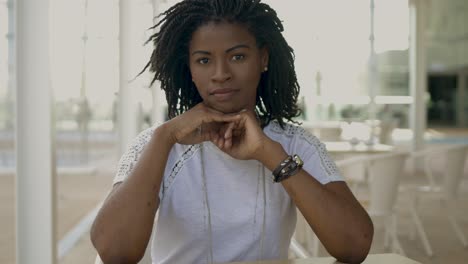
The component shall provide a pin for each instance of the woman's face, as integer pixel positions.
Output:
(226, 66)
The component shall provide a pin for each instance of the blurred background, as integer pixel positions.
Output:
(362, 81)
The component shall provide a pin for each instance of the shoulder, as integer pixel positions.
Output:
(297, 140)
(292, 135)
(128, 160)
(145, 136)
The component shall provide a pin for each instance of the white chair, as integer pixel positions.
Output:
(445, 190)
(298, 250)
(384, 173)
(353, 170)
(305, 237)
(425, 156)
(381, 175)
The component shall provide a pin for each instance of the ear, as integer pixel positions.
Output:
(264, 57)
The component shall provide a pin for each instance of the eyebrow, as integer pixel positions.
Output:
(227, 51)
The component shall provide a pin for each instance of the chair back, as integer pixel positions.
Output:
(354, 172)
(353, 169)
(454, 168)
(384, 177)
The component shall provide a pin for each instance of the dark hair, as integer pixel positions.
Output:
(278, 88)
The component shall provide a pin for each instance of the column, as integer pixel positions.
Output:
(372, 81)
(159, 101)
(11, 66)
(418, 72)
(461, 95)
(127, 110)
(35, 166)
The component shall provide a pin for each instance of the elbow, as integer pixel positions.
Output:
(355, 255)
(110, 252)
(108, 255)
(352, 259)
(357, 251)
(117, 260)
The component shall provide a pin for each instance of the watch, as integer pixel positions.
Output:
(287, 168)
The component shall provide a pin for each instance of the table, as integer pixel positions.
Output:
(346, 147)
(325, 130)
(340, 150)
(371, 259)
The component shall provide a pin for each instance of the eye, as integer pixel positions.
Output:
(238, 57)
(203, 60)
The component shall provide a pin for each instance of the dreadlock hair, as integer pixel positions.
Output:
(278, 88)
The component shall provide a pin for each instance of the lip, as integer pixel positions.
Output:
(222, 91)
(223, 94)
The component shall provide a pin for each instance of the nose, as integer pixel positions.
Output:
(222, 72)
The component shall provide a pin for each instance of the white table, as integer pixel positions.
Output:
(346, 147)
(371, 259)
(343, 149)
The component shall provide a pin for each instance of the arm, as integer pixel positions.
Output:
(122, 228)
(331, 210)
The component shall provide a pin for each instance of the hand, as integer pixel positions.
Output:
(242, 139)
(199, 124)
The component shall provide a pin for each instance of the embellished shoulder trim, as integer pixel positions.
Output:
(188, 153)
(131, 156)
(291, 130)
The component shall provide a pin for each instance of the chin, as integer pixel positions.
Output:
(230, 110)
(227, 109)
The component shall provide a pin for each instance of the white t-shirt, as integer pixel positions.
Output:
(235, 212)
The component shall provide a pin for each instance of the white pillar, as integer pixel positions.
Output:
(372, 81)
(461, 103)
(159, 102)
(11, 65)
(35, 166)
(127, 108)
(418, 72)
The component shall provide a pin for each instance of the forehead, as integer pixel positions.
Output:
(220, 35)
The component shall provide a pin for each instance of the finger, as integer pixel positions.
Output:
(236, 132)
(240, 123)
(228, 135)
(228, 143)
(206, 134)
(228, 132)
(220, 142)
(214, 138)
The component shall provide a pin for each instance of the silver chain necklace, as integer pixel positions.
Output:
(208, 211)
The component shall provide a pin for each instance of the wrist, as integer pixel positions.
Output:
(272, 154)
(165, 135)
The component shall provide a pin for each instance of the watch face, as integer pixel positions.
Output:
(298, 160)
(287, 168)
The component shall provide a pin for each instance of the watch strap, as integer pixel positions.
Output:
(287, 168)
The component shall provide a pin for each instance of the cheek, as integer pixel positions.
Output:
(250, 75)
(199, 80)
(199, 86)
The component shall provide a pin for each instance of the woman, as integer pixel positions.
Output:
(230, 84)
